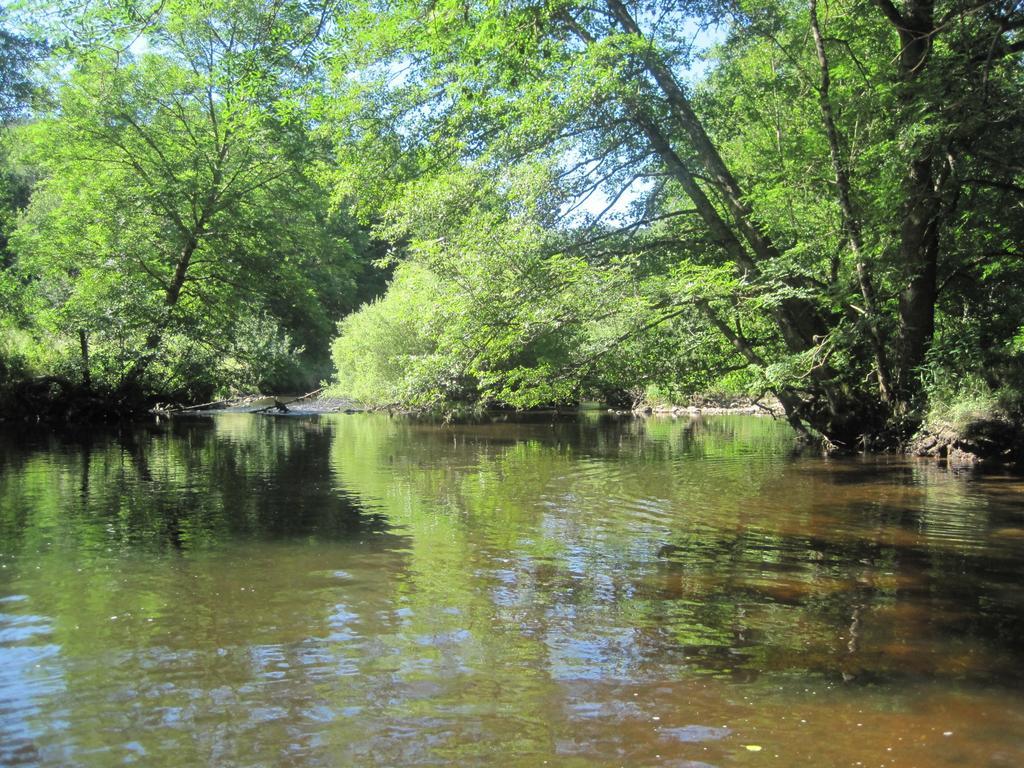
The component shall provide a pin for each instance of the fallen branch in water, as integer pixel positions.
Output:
(226, 402)
(201, 406)
(283, 407)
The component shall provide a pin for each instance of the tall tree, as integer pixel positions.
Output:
(180, 215)
(606, 96)
(18, 55)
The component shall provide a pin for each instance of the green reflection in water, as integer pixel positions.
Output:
(360, 590)
(708, 540)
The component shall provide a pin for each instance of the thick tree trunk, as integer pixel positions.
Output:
(919, 251)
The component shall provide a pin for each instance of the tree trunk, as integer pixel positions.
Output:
(83, 343)
(919, 251)
(171, 295)
(180, 272)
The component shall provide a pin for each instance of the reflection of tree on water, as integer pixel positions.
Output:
(188, 485)
(230, 624)
(718, 550)
(374, 591)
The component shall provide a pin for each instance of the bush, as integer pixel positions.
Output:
(25, 355)
(967, 380)
(954, 403)
(387, 352)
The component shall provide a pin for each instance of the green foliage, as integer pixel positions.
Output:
(23, 356)
(536, 160)
(18, 55)
(967, 379)
(386, 352)
(177, 218)
(956, 402)
(490, 305)
(577, 200)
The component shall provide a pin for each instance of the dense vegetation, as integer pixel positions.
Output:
(174, 236)
(819, 201)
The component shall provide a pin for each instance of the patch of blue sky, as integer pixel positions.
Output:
(670, 30)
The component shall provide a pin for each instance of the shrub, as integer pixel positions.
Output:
(387, 352)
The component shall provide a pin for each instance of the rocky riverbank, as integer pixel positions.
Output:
(716, 406)
(987, 441)
(984, 442)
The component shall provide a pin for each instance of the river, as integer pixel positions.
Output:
(359, 590)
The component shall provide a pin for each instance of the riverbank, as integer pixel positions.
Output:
(716, 406)
(59, 401)
(311, 403)
(984, 441)
(992, 440)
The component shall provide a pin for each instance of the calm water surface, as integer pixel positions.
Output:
(365, 591)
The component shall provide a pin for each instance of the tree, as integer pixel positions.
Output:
(180, 226)
(834, 232)
(18, 54)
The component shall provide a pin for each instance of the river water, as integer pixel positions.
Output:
(357, 590)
